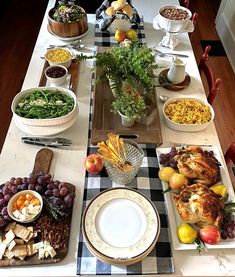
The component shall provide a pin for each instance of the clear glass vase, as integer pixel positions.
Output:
(134, 155)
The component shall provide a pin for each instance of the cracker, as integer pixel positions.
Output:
(20, 250)
(9, 254)
(30, 228)
(21, 232)
(33, 249)
(30, 235)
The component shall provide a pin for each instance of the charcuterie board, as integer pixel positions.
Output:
(45, 220)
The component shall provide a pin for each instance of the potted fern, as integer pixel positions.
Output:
(133, 64)
(130, 106)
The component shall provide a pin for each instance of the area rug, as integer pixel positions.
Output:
(217, 48)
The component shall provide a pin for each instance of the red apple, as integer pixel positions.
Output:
(209, 235)
(93, 163)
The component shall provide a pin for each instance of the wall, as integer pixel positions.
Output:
(225, 26)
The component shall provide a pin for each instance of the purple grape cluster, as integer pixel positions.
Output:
(57, 192)
(168, 158)
(228, 227)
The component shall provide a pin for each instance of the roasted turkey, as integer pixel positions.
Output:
(194, 164)
(197, 204)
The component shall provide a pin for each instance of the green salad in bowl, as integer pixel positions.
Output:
(68, 14)
(67, 21)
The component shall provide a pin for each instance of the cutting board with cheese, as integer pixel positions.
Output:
(46, 239)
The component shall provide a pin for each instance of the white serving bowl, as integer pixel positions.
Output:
(173, 26)
(14, 198)
(57, 78)
(57, 57)
(47, 121)
(187, 127)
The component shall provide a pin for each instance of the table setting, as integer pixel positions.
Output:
(116, 182)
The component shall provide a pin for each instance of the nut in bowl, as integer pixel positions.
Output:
(187, 114)
(25, 206)
(56, 74)
(174, 18)
(45, 106)
(59, 56)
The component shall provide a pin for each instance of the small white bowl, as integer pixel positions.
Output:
(187, 127)
(58, 78)
(66, 62)
(173, 26)
(47, 121)
(14, 199)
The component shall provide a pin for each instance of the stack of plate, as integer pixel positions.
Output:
(120, 226)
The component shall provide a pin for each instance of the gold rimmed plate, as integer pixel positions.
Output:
(120, 226)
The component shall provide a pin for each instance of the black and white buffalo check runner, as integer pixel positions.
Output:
(106, 39)
(160, 260)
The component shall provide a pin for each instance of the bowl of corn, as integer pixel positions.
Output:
(187, 114)
(59, 56)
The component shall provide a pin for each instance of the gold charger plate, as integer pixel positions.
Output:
(120, 226)
(171, 86)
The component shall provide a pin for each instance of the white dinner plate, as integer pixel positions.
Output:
(120, 224)
(68, 38)
(174, 217)
(45, 130)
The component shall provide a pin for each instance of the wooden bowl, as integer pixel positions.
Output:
(67, 30)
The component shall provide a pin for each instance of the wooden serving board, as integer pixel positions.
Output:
(42, 164)
(147, 130)
(73, 70)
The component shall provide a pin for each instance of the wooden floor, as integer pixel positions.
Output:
(19, 34)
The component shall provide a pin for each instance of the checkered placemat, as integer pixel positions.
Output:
(160, 260)
(106, 39)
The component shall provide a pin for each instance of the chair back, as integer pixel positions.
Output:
(213, 83)
(230, 153)
(184, 3)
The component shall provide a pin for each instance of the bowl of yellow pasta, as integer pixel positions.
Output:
(188, 114)
(59, 56)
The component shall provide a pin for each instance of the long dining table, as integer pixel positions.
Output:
(68, 164)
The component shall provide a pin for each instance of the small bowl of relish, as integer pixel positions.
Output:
(56, 74)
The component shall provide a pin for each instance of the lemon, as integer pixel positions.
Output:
(186, 233)
(165, 173)
(219, 189)
(131, 35)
